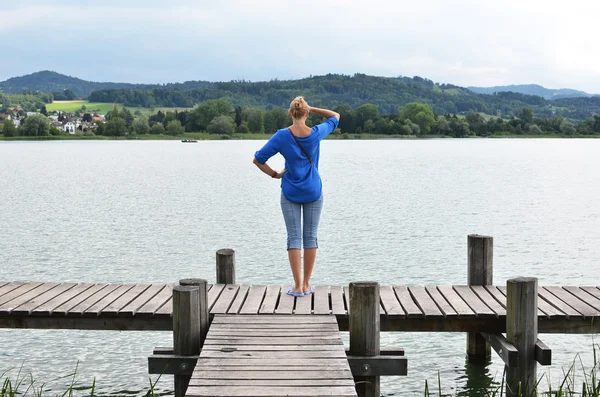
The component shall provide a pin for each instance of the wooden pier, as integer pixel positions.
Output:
(202, 357)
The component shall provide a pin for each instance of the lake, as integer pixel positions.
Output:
(395, 211)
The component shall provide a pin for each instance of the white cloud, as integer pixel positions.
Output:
(465, 42)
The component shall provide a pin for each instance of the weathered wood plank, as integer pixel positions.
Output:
(84, 299)
(285, 326)
(114, 308)
(584, 296)
(544, 308)
(12, 304)
(165, 309)
(7, 287)
(270, 302)
(556, 302)
(47, 308)
(156, 302)
(290, 331)
(226, 299)
(274, 319)
(581, 306)
(286, 302)
(506, 351)
(487, 298)
(424, 301)
(17, 292)
(273, 341)
(237, 303)
(283, 366)
(390, 303)
(96, 308)
(497, 294)
(439, 300)
(473, 301)
(457, 303)
(253, 299)
(283, 373)
(406, 301)
(337, 301)
(270, 382)
(213, 294)
(269, 347)
(321, 300)
(304, 305)
(274, 391)
(138, 302)
(30, 305)
(267, 354)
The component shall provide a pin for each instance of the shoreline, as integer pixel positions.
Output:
(200, 136)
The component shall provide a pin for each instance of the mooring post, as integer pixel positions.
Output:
(186, 329)
(481, 269)
(226, 266)
(364, 331)
(202, 304)
(521, 331)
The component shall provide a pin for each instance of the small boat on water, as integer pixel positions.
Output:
(189, 141)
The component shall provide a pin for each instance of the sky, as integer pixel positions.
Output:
(463, 42)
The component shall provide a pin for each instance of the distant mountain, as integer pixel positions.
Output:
(48, 81)
(532, 89)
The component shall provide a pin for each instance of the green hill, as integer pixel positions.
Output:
(532, 89)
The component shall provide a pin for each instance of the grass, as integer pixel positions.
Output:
(103, 107)
(26, 385)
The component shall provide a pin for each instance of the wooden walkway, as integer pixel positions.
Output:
(258, 355)
(414, 308)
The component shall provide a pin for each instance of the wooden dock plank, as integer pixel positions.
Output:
(114, 307)
(96, 308)
(489, 300)
(424, 301)
(253, 299)
(473, 301)
(271, 298)
(582, 307)
(498, 295)
(7, 287)
(17, 292)
(544, 295)
(237, 361)
(156, 302)
(27, 307)
(321, 300)
(146, 296)
(286, 302)
(213, 294)
(594, 291)
(439, 300)
(237, 303)
(390, 303)
(582, 295)
(226, 299)
(337, 301)
(167, 308)
(274, 391)
(95, 291)
(304, 304)
(71, 294)
(544, 308)
(457, 303)
(406, 301)
(12, 304)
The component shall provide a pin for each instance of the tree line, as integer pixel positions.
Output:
(221, 118)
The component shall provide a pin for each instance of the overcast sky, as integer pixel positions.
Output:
(464, 42)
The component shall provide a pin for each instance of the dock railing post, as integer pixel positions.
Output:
(186, 329)
(481, 270)
(364, 331)
(226, 266)
(202, 304)
(521, 332)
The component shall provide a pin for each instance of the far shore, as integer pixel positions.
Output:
(202, 136)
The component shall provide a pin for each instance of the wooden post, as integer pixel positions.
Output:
(481, 270)
(521, 331)
(226, 266)
(186, 329)
(202, 304)
(364, 331)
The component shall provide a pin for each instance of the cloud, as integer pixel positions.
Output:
(463, 42)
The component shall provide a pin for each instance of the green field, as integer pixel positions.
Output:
(101, 107)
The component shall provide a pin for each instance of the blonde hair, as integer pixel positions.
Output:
(298, 108)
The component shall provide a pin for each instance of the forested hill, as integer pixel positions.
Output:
(532, 89)
(335, 90)
(47, 81)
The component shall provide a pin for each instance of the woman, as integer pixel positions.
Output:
(301, 187)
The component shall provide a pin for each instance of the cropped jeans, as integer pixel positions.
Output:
(301, 222)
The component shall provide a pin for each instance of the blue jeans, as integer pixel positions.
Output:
(297, 233)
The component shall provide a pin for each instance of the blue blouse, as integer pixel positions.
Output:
(302, 182)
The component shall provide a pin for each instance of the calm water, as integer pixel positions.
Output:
(395, 212)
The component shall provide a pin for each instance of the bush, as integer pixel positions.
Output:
(157, 129)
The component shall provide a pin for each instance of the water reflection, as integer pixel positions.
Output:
(477, 379)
